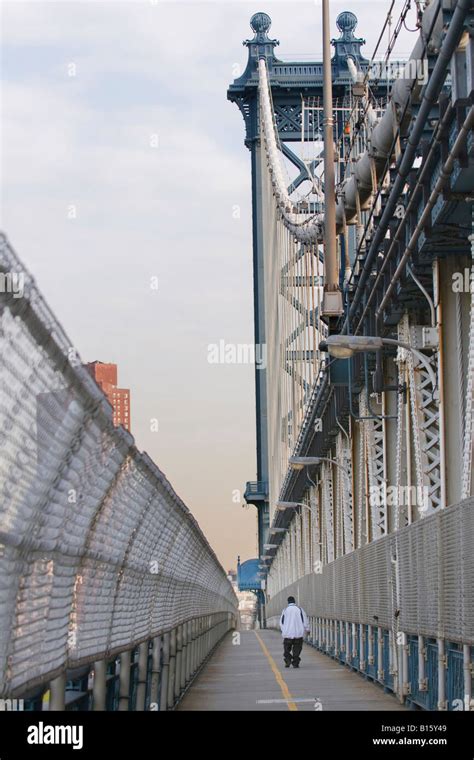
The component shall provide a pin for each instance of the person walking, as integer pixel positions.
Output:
(293, 625)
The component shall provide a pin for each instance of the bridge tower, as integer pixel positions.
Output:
(290, 81)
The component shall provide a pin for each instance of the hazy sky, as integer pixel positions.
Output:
(116, 112)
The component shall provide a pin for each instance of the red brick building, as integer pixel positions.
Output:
(105, 376)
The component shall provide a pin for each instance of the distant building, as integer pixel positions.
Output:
(247, 604)
(105, 376)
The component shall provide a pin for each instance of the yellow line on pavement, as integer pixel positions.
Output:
(278, 676)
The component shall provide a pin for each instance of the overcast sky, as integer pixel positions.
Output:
(89, 89)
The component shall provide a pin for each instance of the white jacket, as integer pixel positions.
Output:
(293, 622)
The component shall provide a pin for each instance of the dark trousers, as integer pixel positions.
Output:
(292, 650)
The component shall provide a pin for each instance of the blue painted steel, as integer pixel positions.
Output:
(387, 676)
(371, 669)
(454, 676)
(420, 698)
(432, 674)
(33, 703)
(78, 695)
(247, 575)
(355, 644)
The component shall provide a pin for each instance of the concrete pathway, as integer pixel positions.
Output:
(251, 676)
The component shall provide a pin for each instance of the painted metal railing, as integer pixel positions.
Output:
(400, 610)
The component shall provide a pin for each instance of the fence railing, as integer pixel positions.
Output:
(400, 609)
(98, 554)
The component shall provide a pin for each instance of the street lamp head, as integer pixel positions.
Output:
(282, 505)
(270, 546)
(345, 346)
(297, 463)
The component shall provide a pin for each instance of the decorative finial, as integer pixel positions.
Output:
(346, 22)
(260, 22)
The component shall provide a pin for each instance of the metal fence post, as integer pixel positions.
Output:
(165, 672)
(156, 671)
(172, 669)
(99, 688)
(184, 655)
(125, 661)
(179, 661)
(189, 649)
(467, 668)
(142, 676)
(380, 666)
(58, 693)
(441, 675)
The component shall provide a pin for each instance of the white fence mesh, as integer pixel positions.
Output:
(435, 570)
(97, 552)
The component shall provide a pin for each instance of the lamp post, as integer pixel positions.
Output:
(297, 463)
(345, 346)
(332, 296)
(282, 505)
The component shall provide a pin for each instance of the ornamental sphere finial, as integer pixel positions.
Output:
(260, 22)
(346, 22)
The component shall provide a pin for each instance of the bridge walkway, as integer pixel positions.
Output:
(251, 676)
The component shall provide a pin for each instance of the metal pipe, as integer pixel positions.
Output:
(421, 177)
(442, 179)
(430, 96)
(425, 293)
(331, 275)
(359, 187)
